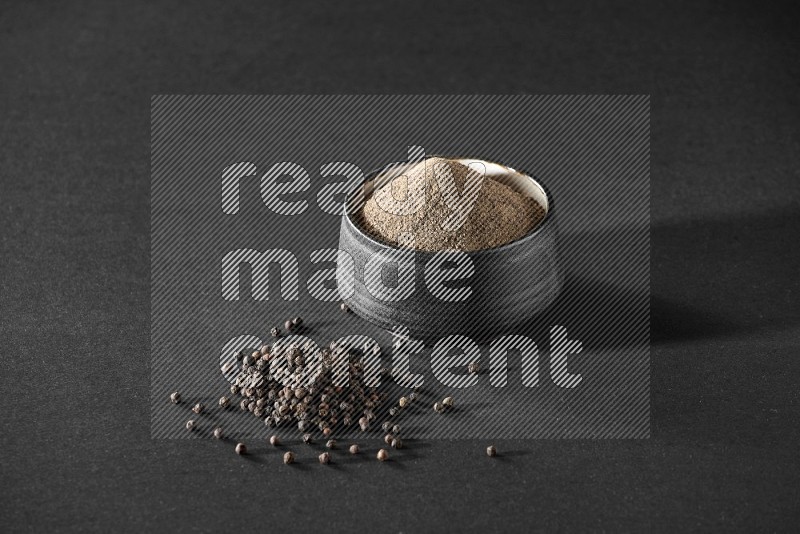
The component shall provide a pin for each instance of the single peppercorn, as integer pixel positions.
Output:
(438, 407)
(190, 424)
(397, 443)
(396, 429)
(474, 368)
(388, 439)
(403, 402)
(288, 457)
(324, 458)
(383, 455)
(326, 431)
(243, 404)
(289, 325)
(234, 389)
(307, 439)
(297, 321)
(241, 449)
(198, 408)
(354, 449)
(491, 451)
(275, 332)
(224, 402)
(175, 397)
(331, 444)
(394, 410)
(448, 402)
(218, 433)
(386, 426)
(344, 307)
(274, 441)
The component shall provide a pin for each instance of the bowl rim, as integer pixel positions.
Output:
(543, 226)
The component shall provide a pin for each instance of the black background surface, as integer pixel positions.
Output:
(76, 82)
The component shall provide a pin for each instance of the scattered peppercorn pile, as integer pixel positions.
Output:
(319, 407)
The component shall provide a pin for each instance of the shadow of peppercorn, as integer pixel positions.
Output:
(300, 463)
(509, 455)
(461, 410)
(393, 463)
(334, 465)
(407, 454)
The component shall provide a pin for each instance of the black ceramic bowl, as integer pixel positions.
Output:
(510, 285)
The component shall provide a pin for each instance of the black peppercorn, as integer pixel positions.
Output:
(393, 411)
(438, 407)
(243, 404)
(491, 451)
(307, 438)
(275, 332)
(383, 455)
(386, 426)
(234, 389)
(288, 457)
(218, 433)
(274, 441)
(224, 402)
(324, 458)
(397, 443)
(448, 402)
(289, 325)
(354, 449)
(297, 321)
(474, 368)
(190, 424)
(241, 449)
(344, 307)
(396, 429)
(331, 444)
(388, 439)
(198, 408)
(175, 397)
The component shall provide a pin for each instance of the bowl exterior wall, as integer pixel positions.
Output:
(510, 286)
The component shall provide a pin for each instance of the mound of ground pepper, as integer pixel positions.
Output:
(446, 205)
